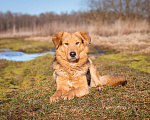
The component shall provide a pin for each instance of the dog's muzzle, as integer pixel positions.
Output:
(73, 56)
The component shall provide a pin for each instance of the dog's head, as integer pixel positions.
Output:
(72, 44)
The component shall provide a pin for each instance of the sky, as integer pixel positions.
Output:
(35, 7)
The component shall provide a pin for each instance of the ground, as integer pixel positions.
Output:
(26, 88)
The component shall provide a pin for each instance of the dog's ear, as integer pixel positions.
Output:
(57, 38)
(85, 36)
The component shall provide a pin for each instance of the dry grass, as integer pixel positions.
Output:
(119, 27)
(123, 35)
(41, 39)
(133, 43)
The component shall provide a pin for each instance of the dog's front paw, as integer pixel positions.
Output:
(54, 98)
(99, 87)
(67, 96)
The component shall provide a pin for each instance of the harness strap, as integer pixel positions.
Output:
(88, 76)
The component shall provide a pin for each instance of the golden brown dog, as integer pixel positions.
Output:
(73, 70)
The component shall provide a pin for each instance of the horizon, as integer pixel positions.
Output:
(38, 7)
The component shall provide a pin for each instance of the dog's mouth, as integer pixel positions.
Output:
(73, 59)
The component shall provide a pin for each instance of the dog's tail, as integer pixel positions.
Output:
(113, 80)
(108, 80)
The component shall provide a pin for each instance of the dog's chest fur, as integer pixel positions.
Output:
(70, 70)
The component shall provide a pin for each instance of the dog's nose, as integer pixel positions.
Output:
(72, 54)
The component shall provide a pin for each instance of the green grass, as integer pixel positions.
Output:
(15, 75)
(135, 61)
(34, 86)
(19, 44)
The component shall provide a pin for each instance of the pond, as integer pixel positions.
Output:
(20, 56)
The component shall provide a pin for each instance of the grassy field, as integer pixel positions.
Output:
(26, 88)
(19, 44)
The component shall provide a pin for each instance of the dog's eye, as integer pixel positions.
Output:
(66, 44)
(77, 43)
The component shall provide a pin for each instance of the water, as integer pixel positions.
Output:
(20, 56)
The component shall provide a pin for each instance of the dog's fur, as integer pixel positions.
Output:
(73, 70)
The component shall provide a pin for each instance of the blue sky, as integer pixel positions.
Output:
(35, 7)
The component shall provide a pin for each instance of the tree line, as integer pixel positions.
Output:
(16, 21)
(111, 10)
(98, 11)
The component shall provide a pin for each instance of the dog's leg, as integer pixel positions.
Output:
(76, 92)
(56, 96)
(62, 88)
(79, 89)
(95, 80)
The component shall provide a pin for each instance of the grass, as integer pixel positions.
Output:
(15, 75)
(132, 43)
(34, 85)
(19, 44)
(135, 61)
(26, 87)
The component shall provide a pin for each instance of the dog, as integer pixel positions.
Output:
(74, 71)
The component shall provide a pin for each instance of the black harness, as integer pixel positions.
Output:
(88, 77)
